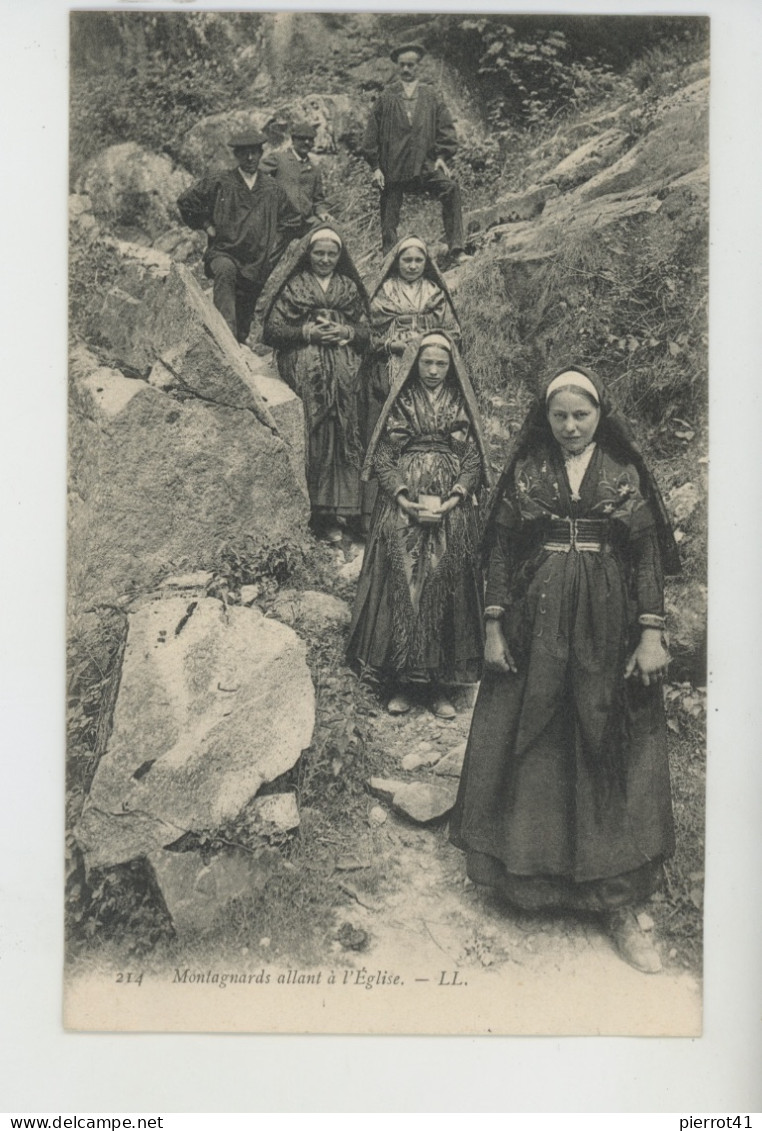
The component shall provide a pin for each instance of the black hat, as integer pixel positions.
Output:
(247, 139)
(303, 129)
(395, 52)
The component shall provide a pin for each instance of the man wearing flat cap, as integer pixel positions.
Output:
(249, 221)
(299, 177)
(408, 141)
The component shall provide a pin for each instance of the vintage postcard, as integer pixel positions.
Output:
(387, 520)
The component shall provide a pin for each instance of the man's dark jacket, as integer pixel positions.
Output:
(404, 149)
(252, 226)
(301, 180)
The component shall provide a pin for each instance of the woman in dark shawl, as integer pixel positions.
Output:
(409, 298)
(418, 611)
(564, 799)
(315, 316)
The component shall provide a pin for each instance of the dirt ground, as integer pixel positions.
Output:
(552, 973)
(537, 973)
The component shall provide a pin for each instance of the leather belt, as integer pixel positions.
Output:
(584, 535)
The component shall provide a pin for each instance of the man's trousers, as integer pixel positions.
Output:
(234, 296)
(433, 183)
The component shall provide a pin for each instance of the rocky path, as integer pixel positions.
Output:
(425, 920)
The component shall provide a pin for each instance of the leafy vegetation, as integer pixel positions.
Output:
(629, 301)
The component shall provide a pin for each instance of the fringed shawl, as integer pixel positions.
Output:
(296, 259)
(408, 372)
(430, 272)
(614, 435)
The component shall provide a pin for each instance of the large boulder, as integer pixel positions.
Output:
(213, 703)
(131, 188)
(154, 316)
(196, 891)
(205, 149)
(156, 321)
(338, 119)
(159, 481)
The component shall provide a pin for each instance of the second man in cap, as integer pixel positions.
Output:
(299, 176)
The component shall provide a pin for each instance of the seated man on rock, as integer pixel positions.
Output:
(298, 175)
(249, 220)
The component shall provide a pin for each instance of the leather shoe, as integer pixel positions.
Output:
(399, 704)
(633, 944)
(443, 708)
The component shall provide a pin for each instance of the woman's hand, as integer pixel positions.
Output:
(650, 659)
(448, 504)
(407, 505)
(326, 333)
(335, 333)
(211, 231)
(497, 654)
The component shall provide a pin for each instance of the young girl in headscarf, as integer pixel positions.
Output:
(315, 316)
(409, 298)
(418, 612)
(564, 799)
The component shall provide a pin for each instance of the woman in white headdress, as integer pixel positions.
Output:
(417, 620)
(409, 298)
(564, 798)
(316, 318)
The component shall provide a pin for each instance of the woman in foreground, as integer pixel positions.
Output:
(564, 800)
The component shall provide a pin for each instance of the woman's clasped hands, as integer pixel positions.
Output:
(415, 510)
(327, 333)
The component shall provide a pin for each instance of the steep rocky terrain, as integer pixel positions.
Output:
(187, 500)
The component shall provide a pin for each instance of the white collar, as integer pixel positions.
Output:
(250, 179)
(410, 88)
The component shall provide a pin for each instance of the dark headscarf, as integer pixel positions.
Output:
(614, 434)
(409, 371)
(296, 259)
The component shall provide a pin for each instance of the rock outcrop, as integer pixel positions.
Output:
(607, 178)
(159, 481)
(213, 703)
(134, 189)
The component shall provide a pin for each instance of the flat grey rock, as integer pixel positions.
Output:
(213, 703)
(421, 802)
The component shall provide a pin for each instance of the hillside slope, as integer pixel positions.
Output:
(589, 238)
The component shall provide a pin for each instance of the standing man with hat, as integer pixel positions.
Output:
(249, 221)
(409, 138)
(302, 180)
